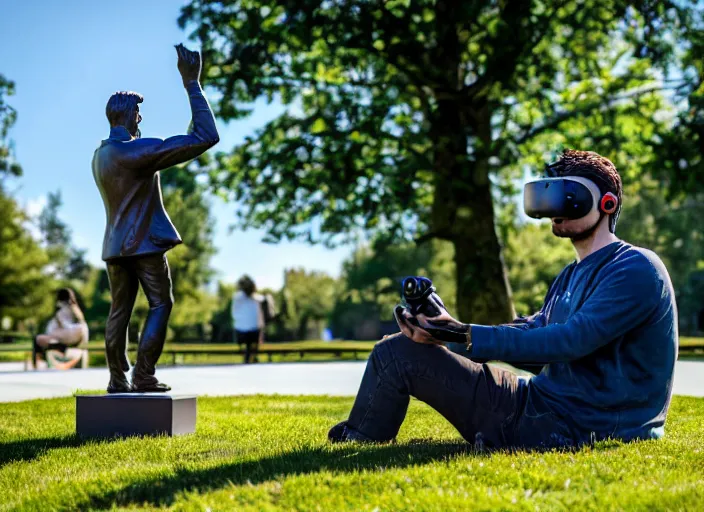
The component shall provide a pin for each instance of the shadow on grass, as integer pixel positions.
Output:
(25, 450)
(163, 491)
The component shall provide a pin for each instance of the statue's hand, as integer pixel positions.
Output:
(189, 64)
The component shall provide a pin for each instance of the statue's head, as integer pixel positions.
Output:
(123, 110)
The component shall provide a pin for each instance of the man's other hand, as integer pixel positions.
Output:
(189, 64)
(407, 324)
(444, 319)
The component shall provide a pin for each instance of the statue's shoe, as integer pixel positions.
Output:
(119, 386)
(150, 387)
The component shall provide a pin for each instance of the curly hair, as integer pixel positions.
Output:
(121, 105)
(594, 167)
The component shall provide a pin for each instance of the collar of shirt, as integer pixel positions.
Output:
(120, 133)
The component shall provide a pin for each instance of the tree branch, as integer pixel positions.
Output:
(440, 235)
(564, 116)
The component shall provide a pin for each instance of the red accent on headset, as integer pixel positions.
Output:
(608, 203)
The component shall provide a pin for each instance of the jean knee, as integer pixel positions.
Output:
(387, 349)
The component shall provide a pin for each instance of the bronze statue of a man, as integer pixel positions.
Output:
(138, 231)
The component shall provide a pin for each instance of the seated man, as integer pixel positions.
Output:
(607, 335)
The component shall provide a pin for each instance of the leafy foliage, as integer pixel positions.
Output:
(25, 288)
(222, 328)
(308, 298)
(534, 258)
(680, 150)
(8, 116)
(68, 263)
(403, 114)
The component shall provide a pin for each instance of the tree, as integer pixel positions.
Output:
(309, 298)
(221, 323)
(534, 258)
(410, 110)
(96, 293)
(8, 116)
(67, 262)
(680, 149)
(25, 288)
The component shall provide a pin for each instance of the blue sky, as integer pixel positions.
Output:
(66, 58)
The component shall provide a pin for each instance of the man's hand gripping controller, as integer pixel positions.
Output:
(426, 310)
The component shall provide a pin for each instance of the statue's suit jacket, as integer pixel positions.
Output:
(126, 171)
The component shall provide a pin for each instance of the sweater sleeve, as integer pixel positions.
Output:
(538, 319)
(623, 299)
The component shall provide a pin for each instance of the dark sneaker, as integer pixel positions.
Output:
(342, 432)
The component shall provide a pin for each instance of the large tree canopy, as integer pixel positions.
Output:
(402, 114)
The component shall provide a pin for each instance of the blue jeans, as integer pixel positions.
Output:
(487, 405)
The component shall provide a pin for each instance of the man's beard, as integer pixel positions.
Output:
(578, 236)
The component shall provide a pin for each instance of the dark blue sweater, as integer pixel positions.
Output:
(608, 335)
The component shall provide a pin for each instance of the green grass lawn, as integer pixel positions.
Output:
(270, 453)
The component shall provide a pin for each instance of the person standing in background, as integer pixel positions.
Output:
(248, 317)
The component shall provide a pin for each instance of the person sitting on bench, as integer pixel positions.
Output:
(66, 329)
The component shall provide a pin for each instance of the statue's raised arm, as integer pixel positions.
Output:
(151, 154)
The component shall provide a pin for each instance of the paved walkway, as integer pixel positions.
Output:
(335, 378)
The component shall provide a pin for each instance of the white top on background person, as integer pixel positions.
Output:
(68, 324)
(75, 330)
(247, 314)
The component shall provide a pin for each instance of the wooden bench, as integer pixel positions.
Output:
(689, 347)
(174, 349)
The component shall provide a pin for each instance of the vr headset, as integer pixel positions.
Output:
(565, 197)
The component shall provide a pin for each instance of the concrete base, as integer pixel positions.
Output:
(135, 414)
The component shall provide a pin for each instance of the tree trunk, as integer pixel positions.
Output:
(464, 214)
(302, 328)
(483, 290)
(463, 210)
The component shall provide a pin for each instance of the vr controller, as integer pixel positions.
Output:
(415, 293)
